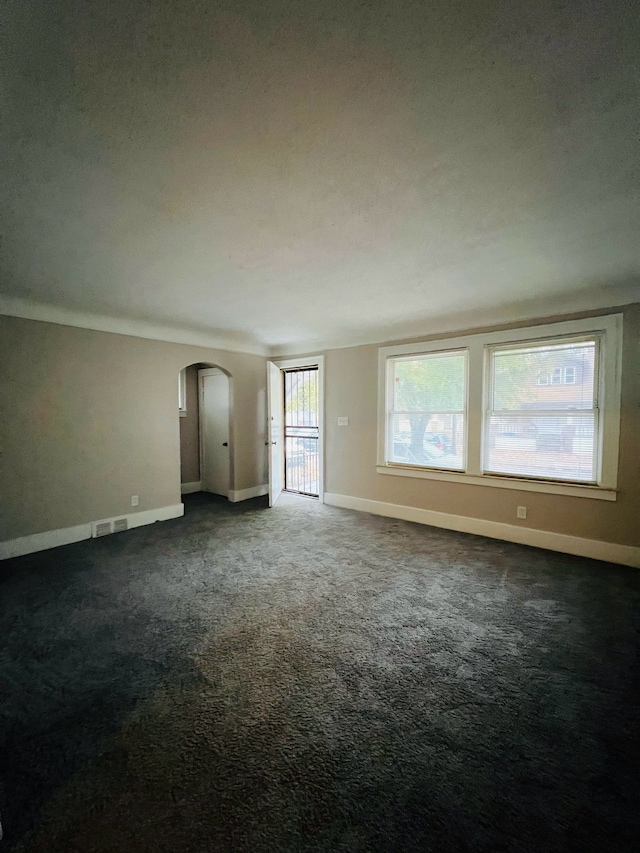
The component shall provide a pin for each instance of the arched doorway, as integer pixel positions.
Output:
(205, 409)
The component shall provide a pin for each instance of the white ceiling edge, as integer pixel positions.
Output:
(28, 310)
(530, 311)
(541, 310)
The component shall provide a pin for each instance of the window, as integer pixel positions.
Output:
(182, 392)
(556, 376)
(542, 432)
(427, 413)
(536, 409)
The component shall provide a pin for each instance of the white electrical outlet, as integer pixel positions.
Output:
(135, 500)
(521, 512)
(343, 421)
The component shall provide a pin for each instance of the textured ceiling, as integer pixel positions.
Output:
(289, 172)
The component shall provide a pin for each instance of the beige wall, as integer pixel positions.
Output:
(89, 418)
(190, 431)
(351, 389)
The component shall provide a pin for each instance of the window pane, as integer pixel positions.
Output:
(301, 397)
(428, 410)
(524, 435)
(417, 442)
(555, 448)
(429, 383)
(544, 377)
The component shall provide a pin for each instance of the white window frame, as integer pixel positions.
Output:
(556, 376)
(182, 393)
(597, 340)
(608, 327)
(465, 411)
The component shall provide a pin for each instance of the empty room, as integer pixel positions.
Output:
(320, 447)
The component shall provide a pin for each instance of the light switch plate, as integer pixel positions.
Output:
(343, 421)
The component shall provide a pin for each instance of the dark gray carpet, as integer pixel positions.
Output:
(312, 679)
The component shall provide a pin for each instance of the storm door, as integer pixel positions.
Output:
(301, 431)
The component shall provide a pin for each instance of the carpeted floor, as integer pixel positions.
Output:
(312, 679)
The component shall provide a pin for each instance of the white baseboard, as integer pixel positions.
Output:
(148, 516)
(66, 535)
(246, 494)
(190, 488)
(42, 541)
(627, 555)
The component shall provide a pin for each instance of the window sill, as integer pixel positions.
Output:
(567, 489)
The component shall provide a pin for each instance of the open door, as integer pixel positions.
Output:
(214, 431)
(275, 416)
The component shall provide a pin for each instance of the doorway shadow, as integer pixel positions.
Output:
(201, 502)
(202, 499)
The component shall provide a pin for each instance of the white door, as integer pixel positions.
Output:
(275, 431)
(214, 431)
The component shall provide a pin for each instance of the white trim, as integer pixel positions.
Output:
(299, 363)
(610, 552)
(16, 307)
(182, 392)
(478, 346)
(274, 431)
(597, 299)
(521, 335)
(41, 541)
(601, 299)
(549, 488)
(607, 339)
(67, 535)
(247, 494)
(312, 361)
(190, 488)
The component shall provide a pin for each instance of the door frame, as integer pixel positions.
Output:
(299, 364)
(216, 371)
(275, 436)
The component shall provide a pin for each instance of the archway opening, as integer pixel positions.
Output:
(205, 419)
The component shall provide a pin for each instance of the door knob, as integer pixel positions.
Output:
(225, 444)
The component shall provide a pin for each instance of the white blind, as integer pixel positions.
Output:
(426, 424)
(542, 412)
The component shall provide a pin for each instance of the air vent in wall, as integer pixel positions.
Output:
(119, 525)
(101, 528)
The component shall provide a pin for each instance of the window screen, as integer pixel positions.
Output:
(427, 410)
(542, 412)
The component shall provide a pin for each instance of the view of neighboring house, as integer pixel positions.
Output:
(540, 406)
(544, 405)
